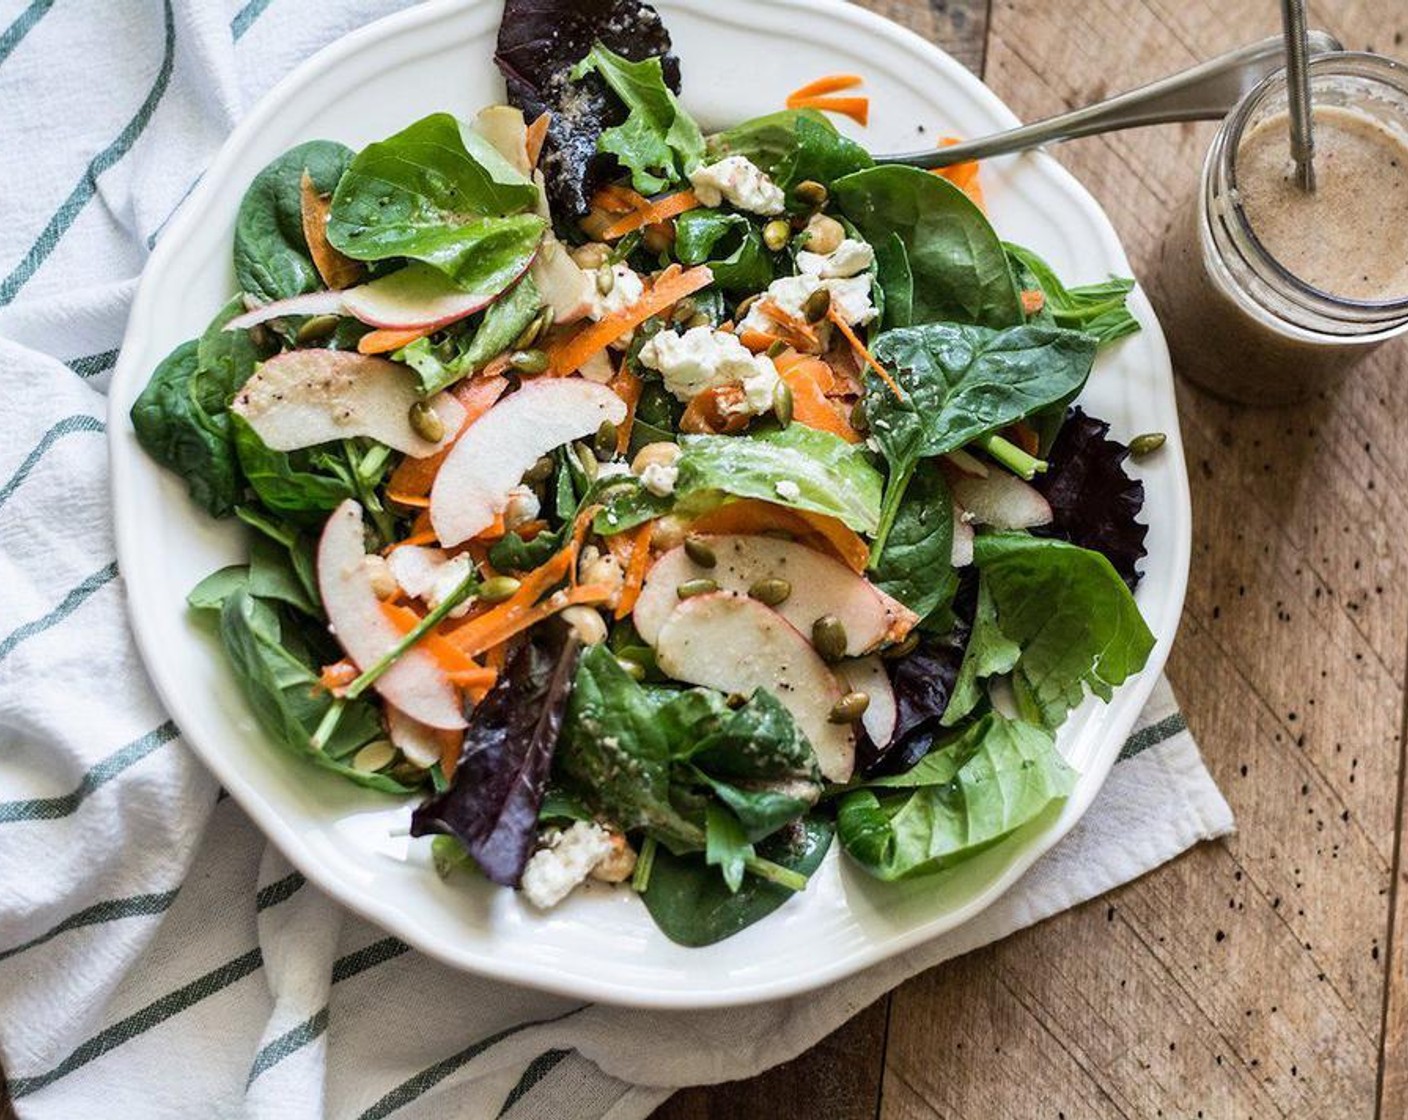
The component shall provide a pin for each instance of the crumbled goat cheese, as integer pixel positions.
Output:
(787, 489)
(703, 358)
(849, 296)
(612, 470)
(851, 299)
(449, 576)
(556, 870)
(660, 478)
(626, 289)
(740, 181)
(850, 258)
(598, 368)
(429, 574)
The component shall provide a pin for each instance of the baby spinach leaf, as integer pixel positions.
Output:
(726, 845)
(282, 690)
(895, 280)
(792, 146)
(1098, 309)
(658, 142)
(211, 592)
(539, 42)
(273, 574)
(438, 194)
(990, 653)
(959, 801)
(1072, 616)
(958, 267)
(729, 244)
(287, 482)
(915, 564)
(797, 466)
(271, 254)
(629, 506)
(693, 906)
(496, 792)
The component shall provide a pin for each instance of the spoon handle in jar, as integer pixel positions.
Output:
(1298, 92)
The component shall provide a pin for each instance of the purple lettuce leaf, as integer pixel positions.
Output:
(491, 805)
(1094, 503)
(539, 43)
(923, 682)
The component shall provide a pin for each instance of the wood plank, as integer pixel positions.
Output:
(1393, 1059)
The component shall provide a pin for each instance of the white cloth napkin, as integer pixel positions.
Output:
(157, 957)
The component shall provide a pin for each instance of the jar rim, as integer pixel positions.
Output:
(1361, 64)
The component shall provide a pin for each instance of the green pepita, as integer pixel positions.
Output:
(316, 329)
(534, 330)
(528, 361)
(634, 669)
(692, 587)
(604, 442)
(850, 707)
(498, 588)
(859, 421)
(829, 637)
(376, 755)
(540, 471)
(771, 591)
(1146, 444)
(605, 279)
(776, 234)
(684, 310)
(782, 403)
(426, 422)
(777, 348)
(902, 648)
(811, 193)
(817, 305)
(699, 550)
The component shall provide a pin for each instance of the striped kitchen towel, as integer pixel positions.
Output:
(157, 958)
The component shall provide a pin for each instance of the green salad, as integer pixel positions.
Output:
(657, 508)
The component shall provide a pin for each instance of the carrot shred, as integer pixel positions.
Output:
(828, 83)
(859, 347)
(616, 199)
(796, 332)
(857, 108)
(571, 352)
(810, 405)
(386, 339)
(661, 210)
(635, 570)
(1033, 300)
(499, 626)
(427, 537)
(337, 676)
(627, 386)
(412, 478)
(337, 271)
(536, 134)
(964, 175)
(816, 530)
(758, 341)
(449, 657)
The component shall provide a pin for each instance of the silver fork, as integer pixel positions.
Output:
(1207, 91)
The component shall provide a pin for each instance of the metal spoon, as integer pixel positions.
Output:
(1207, 91)
(1298, 92)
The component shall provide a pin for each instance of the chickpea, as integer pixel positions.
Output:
(824, 234)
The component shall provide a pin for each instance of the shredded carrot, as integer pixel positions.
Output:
(411, 480)
(337, 676)
(819, 369)
(499, 626)
(635, 570)
(810, 404)
(964, 175)
(758, 341)
(496, 656)
(861, 352)
(493, 531)
(829, 83)
(571, 352)
(450, 748)
(816, 530)
(627, 386)
(427, 537)
(661, 210)
(536, 134)
(338, 271)
(448, 656)
(857, 108)
(796, 332)
(386, 340)
(616, 199)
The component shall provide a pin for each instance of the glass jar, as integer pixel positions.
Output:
(1238, 322)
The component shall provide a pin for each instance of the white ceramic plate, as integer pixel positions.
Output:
(601, 944)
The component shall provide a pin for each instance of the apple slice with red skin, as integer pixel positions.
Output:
(309, 303)
(821, 585)
(305, 397)
(417, 297)
(730, 642)
(415, 684)
(867, 674)
(489, 459)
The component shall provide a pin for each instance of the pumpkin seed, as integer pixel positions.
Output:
(684, 310)
(829, 637)
(902, 648)
(745, 304)
(1146, 444)
(817, 305)
(859, 421)
(771, 591)
(498, 588)
(604, 442)
(316, 328)
(534, 330)
(782, 402)
(605, 279)
(735, 700)
(634, 669)
(811, 193)
(777, 348)
(528, 361)
(850, 707)
(376, 755)
(426, 422)
(540, 471)
(776, 234)
(692, 587)
(698, 550)
(698, 319)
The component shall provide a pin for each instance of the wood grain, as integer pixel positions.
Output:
(1252, 978)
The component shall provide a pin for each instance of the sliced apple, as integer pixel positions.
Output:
(962, 554)
(415, 684)
(821, 585)
(506, 131)
(423, 745)
(735, 644)
(416, 568)
(1003, 501)
(488, 459)
(309, 303)
(416, 297)
(867, 674)
(306, 397)
(562, 284)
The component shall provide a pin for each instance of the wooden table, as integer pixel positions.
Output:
(1260, 976)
